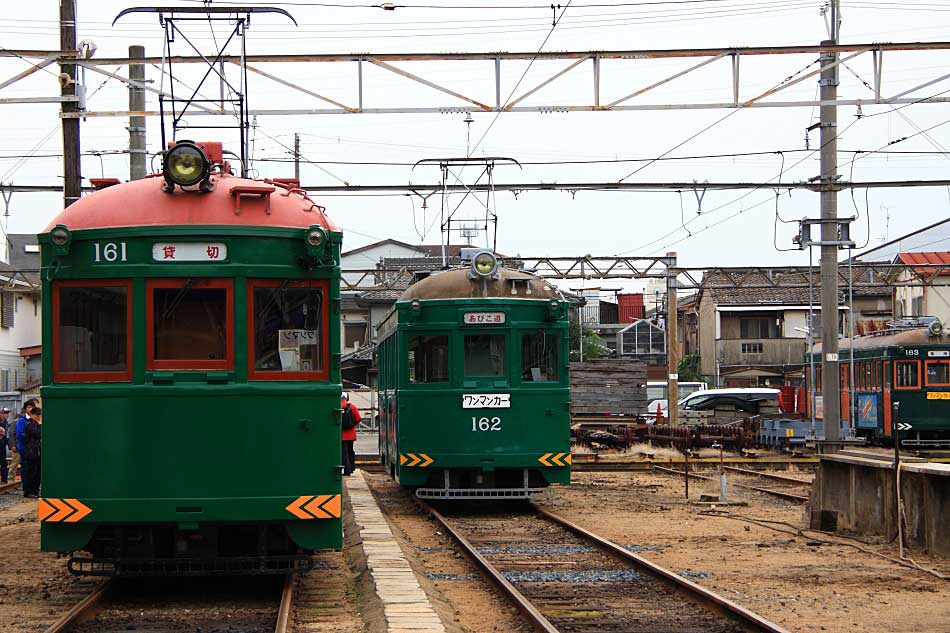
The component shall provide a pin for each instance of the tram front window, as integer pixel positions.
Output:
(92, 329)
(428, 359)
(484, 355)
(288, 332)
(190, 324)
(539, 357)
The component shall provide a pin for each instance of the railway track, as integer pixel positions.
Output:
(799, 496)
(566, 579)
(312, 603)
(9, 486)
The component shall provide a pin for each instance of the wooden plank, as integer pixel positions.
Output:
(406, 606)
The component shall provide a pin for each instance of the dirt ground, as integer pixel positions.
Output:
(792, 580)
(33, 584)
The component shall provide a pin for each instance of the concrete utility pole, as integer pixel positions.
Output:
(72, 169)
(671, 342)
(830, 383)
(297, 156)
(137, 154)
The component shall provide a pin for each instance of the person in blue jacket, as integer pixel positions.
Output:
(20, 440)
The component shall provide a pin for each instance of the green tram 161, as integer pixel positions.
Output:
(906, 366)
(473, 382)
(192, 389)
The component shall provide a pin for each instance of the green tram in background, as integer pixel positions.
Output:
(191, 390)
(908, 364)
(473, 382)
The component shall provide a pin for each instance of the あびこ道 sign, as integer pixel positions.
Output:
(487, 318)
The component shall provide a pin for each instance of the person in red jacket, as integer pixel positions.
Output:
(351, 419)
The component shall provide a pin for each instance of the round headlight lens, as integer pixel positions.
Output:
(185, 164)
(59, 235)
(485, 264)
(315, 237)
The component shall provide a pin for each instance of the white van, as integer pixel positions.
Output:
(658, 390)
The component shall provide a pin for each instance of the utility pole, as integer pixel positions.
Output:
(137, 154)
(72, 169)
(830, 383)
(671, 342)
(297, 157)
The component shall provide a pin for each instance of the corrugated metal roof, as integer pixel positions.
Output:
(940, 258)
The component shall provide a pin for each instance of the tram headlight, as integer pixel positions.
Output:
(484, 264)
(61, 238)
(185, 164)
(316, 239)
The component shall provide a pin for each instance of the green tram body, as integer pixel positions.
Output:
(910, 367)
(449, 432)
(180, 466)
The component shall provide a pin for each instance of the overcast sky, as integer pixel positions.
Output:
(734, 228)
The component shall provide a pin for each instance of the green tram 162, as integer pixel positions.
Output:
(909, 366)
(473, 382)
(192, 389)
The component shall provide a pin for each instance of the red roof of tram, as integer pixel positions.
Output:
(234, 201)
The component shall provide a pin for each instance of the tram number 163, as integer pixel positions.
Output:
(486, 424)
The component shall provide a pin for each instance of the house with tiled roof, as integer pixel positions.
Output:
(923, 287)
(754, 329)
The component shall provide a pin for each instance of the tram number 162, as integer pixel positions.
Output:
(486, 424)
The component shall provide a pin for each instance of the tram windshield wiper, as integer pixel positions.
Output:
(176, 301)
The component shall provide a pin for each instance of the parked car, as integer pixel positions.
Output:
(748, 400)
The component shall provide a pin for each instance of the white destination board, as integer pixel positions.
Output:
(475, 318)
(486, 400)
(189, 251)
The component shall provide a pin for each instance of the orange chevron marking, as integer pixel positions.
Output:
(314, 507)
(544, 459)
(426, 460)
(557, 459)
(82, 510)
(402, 459)
(413, 460)
(569, 459)
(295, 509)
(44, 509)
(64, 510)
(333, 506)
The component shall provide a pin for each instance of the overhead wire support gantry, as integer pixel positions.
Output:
(628, 98)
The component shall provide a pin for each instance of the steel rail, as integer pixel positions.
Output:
(782, 478)
(541, 623)
(693, 589)
(770, 491)
(81, 607)
(9, 486)
(537, 618)
(286, 604)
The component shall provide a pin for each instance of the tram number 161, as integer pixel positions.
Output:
(110, 252)
(486, 424)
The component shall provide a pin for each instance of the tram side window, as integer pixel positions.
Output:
(190, 323)
(428, 359)
(93, 329)
(288, 327)
(907, 374)
(484, 355)
(539, 359)
(938, 373)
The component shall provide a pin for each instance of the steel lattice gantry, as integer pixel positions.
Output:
(442, 99)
